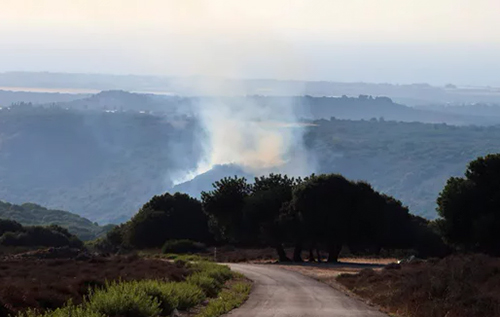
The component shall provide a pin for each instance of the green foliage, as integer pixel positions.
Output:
(67, 311)
(208, 284)
(171, 296)
(249, 213)
(182, 246)
(407, 160)
(124, 300)
(152, 298)
(228, 299)
(326, 211)
(165, 217)
(51, 236)
(210, 277)
(29, 214)
(7, 225)
(224, 205)
(469, 207)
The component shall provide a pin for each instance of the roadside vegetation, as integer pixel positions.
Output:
(117, 287)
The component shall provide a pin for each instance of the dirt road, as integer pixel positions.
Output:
(280, 293)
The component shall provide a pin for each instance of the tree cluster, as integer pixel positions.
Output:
(14, 234)
(319, 212)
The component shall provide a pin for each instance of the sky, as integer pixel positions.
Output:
(394, 41)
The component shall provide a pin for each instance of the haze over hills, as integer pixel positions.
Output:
(105, 155)
(408, 94)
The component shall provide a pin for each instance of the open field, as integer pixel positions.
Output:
(47, 284)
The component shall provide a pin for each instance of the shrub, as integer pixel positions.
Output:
(182, 246)
(66, 311)
(123, 300)
(210, 277)
(220, 273)
(227, 300)
(7, 225)
(209, 285)
(170, 295)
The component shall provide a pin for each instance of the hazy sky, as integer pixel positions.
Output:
(398, 41)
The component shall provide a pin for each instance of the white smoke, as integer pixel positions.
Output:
(259, 136)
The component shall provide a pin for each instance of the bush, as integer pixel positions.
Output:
(7, 225)
(170, 295)
(228, 299)
(123, 300)
(182, 246)
(209, 285)
(67, 311)
(221, 273)
(210, 277)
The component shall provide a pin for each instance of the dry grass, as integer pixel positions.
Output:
(457, 286)
(48, 284)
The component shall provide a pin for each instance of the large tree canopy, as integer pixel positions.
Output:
(470, 207)
(164, 217)
(325, 211)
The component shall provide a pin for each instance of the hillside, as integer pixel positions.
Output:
(306, 107)
(105, 165)
(29, 214)
(102, 166)
(8, 97)
(411, 161)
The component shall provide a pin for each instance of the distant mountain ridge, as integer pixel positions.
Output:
(29, 214)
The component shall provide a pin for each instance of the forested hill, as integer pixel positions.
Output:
(29, 214)
(306, 107)
(100, 165)
(411, 161)
(104, 165)
(8, 97)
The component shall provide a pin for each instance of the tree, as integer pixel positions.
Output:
(165, 217)
(323, 205)
(470, 207)
(224, 207)
(264, 206)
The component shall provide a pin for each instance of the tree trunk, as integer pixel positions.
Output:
(311, 255)
(333, 253)
(297, 256)
(319, 255)
(281, 253)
